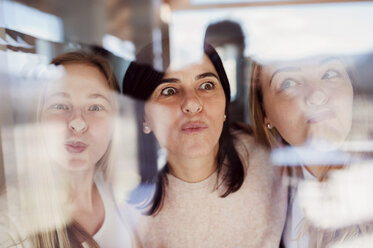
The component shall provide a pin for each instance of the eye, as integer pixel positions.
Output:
(331, 73)
(207, 86)
(169, 91)
(288, 83)
(59, 106)
(95, 108)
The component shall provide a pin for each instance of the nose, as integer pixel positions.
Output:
(317, 97)
(77, 124)
(192, 104)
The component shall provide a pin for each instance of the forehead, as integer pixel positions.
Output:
(203, 64)
(81, 71)
(79, 78)
(301, 64)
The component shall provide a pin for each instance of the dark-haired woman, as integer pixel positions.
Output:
(217, 188)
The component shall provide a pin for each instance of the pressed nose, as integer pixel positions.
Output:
(317, 97)
(77, 124)
(191, 104)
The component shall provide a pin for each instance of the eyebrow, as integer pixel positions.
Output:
(65, 95)
(328, 59)
(283, 70)
(170, 80)
(94, 96)
(199, 76)
(206, 74)
(59, 94)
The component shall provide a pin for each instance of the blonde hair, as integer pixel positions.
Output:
(42, 196)
(267, 137)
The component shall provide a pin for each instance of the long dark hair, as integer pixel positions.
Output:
(227, 154)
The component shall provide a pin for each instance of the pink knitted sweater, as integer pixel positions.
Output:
(194, 214)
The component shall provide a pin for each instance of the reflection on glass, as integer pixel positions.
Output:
(318, 109)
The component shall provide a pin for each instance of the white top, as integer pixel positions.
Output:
(295, 220)
(194, 215)
(115, 231)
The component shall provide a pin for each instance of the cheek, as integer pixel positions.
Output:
(343, 101)
(49, 117)
(160, 117)
(288, 119)
(53, 124)
(283, 112)
(216, 110)
(345, 95)
(100, 128)
(53, 134)
(99, 135)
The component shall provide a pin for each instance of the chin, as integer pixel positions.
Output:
(75, 164)
(324, 144)
(328, 137)
(197, 150)
(194, 154)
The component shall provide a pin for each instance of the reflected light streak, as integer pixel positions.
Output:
(344, 199)
(295, 156)
(31, 21)
(28, 66)
(358, 146)
(38, 199)
(121, 48)
(284, 32)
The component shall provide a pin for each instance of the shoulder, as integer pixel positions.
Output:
(243, 140)
(248, 149)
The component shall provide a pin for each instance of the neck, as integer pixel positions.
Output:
(82, 189)
(321, 171)
(193, 169)
(318, 171)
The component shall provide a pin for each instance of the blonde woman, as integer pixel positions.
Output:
(302, 109)
(67, 201)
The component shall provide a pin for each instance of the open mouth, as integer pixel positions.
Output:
(75, 146)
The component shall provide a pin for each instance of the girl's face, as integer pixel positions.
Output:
(186, 111)
(308, 101)
(79, 110)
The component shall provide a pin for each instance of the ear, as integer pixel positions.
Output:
(267, 123)
(145, 128)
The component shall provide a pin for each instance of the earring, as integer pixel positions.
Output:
(146, 128)
(269, 126)
(225, 117)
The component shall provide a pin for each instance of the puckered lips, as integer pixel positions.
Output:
(194, 127)
(75, 146)
(320, 116)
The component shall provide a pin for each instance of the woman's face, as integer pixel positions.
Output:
(186, 111)
(79, 110)
(308, 101)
